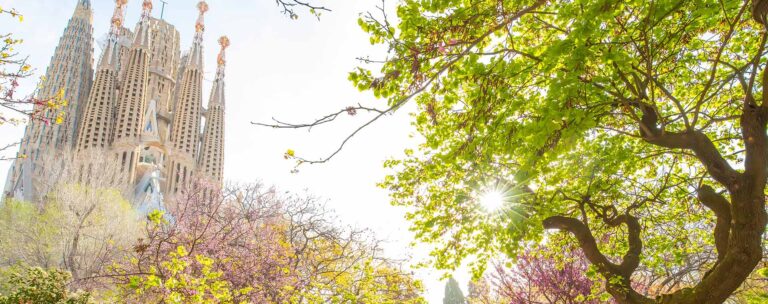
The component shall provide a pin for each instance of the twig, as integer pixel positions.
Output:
(289, 6)
(403, 100)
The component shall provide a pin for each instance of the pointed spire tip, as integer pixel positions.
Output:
(118, 17)
(84, 3)
(224, 42)
(203, 8)
(146, 9)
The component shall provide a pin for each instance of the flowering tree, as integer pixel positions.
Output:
(268, 249)
(538, 277)
(233, 229)
(12, 68)
(179, 285)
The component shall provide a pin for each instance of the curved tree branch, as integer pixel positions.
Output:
(621, 289)
(693, 140)
(586, 241)
(722, 209)
(632, 258)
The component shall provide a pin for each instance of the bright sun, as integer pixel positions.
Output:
(492, 200)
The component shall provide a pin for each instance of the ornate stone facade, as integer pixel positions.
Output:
(144, 105)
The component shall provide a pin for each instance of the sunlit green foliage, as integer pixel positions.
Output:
(179, 285)
(77, 228)
(591, 109)
(29, 234)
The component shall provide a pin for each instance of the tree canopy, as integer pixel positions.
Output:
(636, 127)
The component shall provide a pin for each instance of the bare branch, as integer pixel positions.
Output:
(325, 119)
(289, 6)
(418, 89)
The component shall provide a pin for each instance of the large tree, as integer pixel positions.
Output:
(81, 224)
(636, 127)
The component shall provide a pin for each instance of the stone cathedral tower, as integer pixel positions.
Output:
(143, 107)
(211, 160)
(185, 128)
(71, 69)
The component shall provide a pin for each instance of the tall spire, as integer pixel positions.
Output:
(143, 32)
(70, 72)
(111, 55)
(96, 125)
(196, 54)
(132, 99)
(211, 160)
(217, 92)
(117, 19)
(185, 128)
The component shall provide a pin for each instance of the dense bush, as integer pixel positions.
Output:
(23, 284)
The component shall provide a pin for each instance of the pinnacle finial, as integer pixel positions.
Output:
(202, 7)
(84, 3)
(117, 17)
(146, 9)
(224, 42)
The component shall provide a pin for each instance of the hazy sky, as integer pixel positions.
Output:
(294, 70)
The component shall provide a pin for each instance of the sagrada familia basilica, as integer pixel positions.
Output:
(142, 104)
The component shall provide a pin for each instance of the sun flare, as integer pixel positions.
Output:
(492, 200)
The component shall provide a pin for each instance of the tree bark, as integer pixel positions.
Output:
(722, 209)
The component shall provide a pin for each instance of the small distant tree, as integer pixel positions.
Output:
(453, 294)
(479, 292)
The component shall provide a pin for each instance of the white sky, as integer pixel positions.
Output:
(294, 70)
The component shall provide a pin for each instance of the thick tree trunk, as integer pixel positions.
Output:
(739, 245)
(743, 253)
(741, 256)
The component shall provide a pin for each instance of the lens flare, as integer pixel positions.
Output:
(492, 200)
